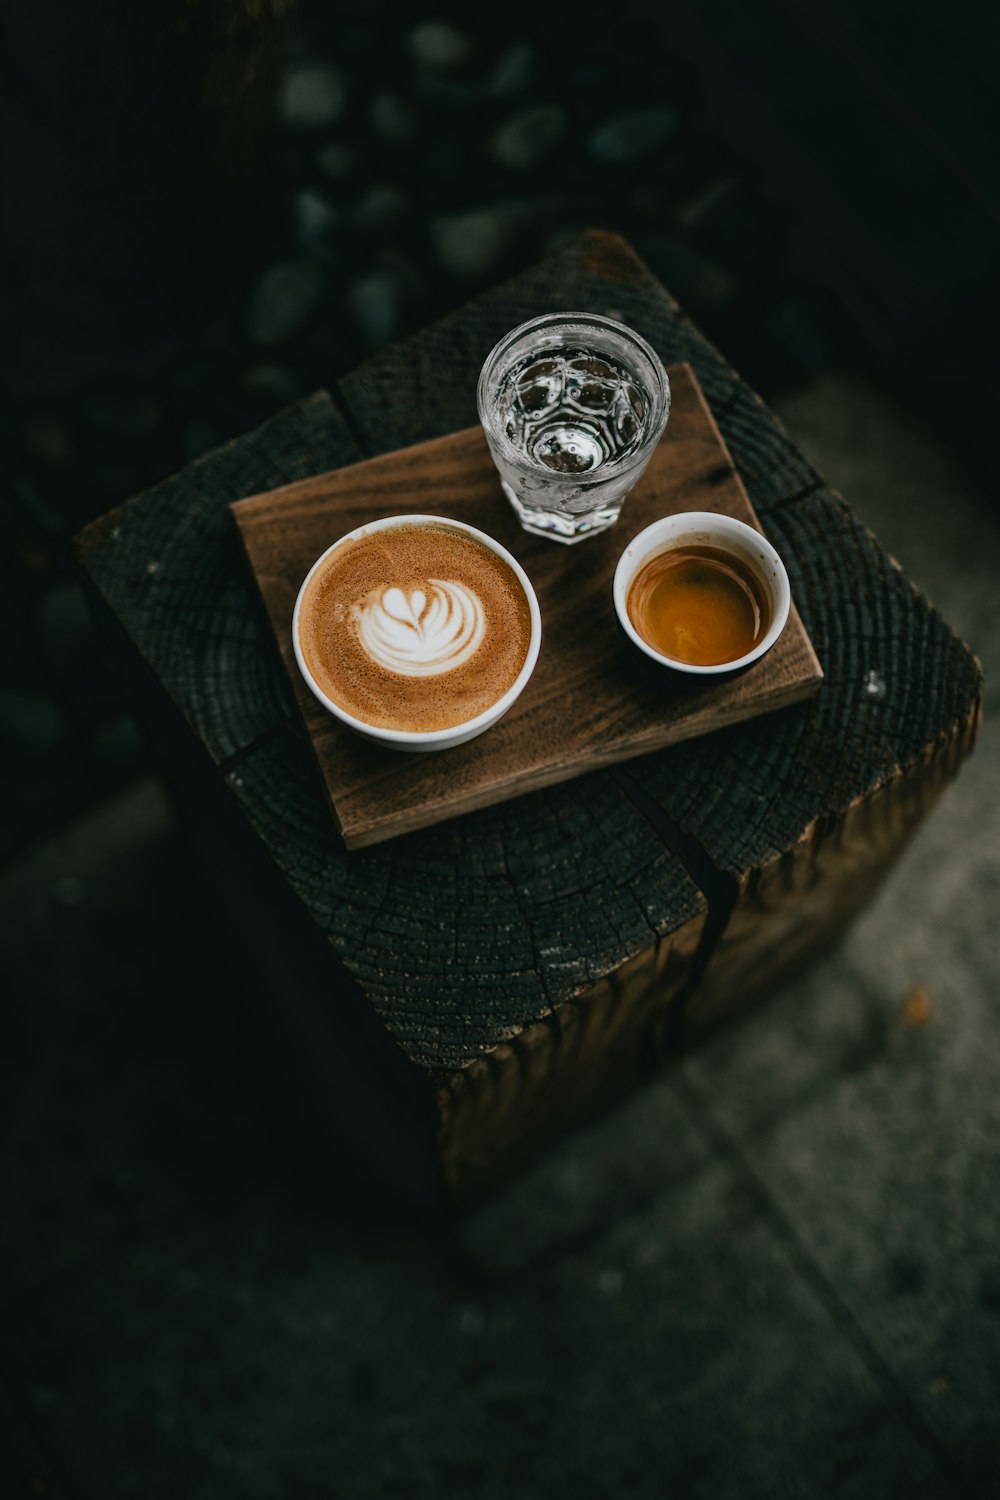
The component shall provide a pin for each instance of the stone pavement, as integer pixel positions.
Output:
(775, 1272)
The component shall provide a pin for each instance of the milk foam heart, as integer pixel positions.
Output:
(422, 633)
(413, 627)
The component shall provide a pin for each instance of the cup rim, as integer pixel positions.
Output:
(668, 531)
(515, 459)
(467, 728)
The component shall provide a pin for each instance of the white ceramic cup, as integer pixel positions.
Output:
(455, 734)
(707, 529)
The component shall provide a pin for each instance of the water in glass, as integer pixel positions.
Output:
(572, 405)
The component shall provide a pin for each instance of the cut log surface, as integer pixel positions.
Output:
(587, 705)
(560, 924)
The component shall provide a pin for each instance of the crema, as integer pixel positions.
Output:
(414, 627)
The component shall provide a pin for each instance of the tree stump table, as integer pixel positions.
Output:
(462, 993)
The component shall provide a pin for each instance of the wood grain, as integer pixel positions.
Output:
(481, 949)
(558, 1071)
(793, 907)
(588, 704)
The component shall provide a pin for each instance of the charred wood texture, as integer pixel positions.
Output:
(523, 962)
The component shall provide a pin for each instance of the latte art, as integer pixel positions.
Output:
(414, 627)
(421, 633)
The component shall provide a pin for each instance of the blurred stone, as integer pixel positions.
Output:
(695, 280)
(515, 70)
(632, 137)
(381, 208)
(589, 78)
(46, 436)
(392, 119)
(705, 204)
(438, 46)
(471, 95)
(285, 298)
(314, 97)
(314, 225)
(65, 628)
(373, 303)
(337, 160)
(472, 244)
(68, 890)
(527, 139)
(125, 412)
(458, 93)
(118, 744)
(33, 729)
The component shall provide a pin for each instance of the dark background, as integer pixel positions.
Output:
(191, 236)
(208, 211)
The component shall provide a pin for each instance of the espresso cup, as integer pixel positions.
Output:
(416, 631)
(749, 577)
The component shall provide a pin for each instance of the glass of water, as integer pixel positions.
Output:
(572, 405)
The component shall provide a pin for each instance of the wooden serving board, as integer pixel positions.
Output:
(586, 705)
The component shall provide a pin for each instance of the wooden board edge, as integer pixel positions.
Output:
(362, 835)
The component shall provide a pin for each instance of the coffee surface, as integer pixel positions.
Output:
(698, 604)
(414, 627)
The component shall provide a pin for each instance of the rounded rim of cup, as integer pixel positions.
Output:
(514, 458)
(709, 527)
(467, 727)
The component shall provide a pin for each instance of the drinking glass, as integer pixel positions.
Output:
(572, 405)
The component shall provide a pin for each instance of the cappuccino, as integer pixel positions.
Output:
(414, 628)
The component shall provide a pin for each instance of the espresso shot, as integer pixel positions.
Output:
(699, 604)
(701, 593)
